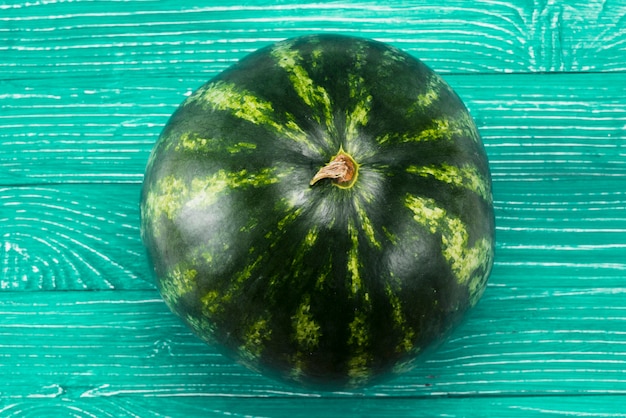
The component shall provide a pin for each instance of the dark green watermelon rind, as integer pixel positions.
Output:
(325, 284)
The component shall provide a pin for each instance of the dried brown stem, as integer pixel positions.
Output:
(341, 169)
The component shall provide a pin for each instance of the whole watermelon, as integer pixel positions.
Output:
(321, 210)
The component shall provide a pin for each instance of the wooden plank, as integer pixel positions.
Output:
(457, 36)
(535, 127)
(82, 130)
(301, 407)
(565, 233)
(562, 233)
(132, 67)
(549, 351)
(556, 150)
(71, 237)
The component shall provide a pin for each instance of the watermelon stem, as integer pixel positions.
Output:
(342, 169)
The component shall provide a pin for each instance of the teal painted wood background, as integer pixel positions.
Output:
(87, 85)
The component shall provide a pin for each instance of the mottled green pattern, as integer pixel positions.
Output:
(170, 193)
(307, 330)
(304, 244)
(245, 105)
(432, 93)
(463, 258)
(316, 97)
(193, 143)
(399, 322)
(468, 177)
(442, 129)
(359, 339)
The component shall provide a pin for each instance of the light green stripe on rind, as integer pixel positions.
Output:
(254, 337)
(459, 124)
(169, 195)
(314, 96)
(222, 95)
(354, 263)
(273, 235)
(194, 143)
(406, 344)
(358, 116)
(178, 283)
(213, 302)
(247, 106)
(359, 369)
(465, 261)
(165, 198)
(467, 177)
(307, 332)
(433, 87)
(303, 251)
(320, 283)
(366, 225)
(442, 129)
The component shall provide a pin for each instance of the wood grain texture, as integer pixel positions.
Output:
(481, 36)
(123, 351)
(71, 237)
(300, 407)
(535, 127)
(85, 89)
(556, 150)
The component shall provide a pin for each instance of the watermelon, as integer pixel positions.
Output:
(321, 211)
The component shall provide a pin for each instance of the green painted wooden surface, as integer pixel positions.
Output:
(85, 88)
